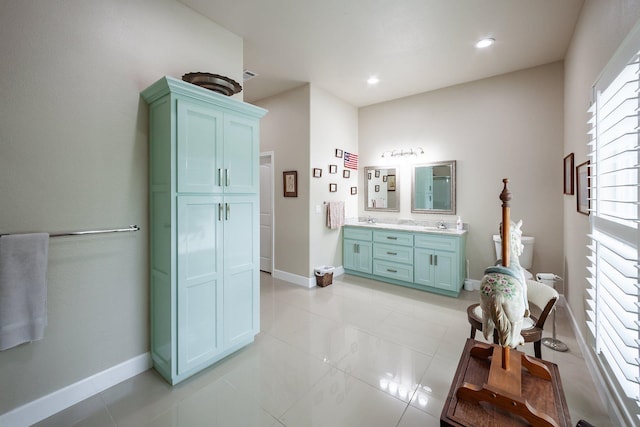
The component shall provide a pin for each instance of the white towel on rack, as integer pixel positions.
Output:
(335, 215)
(23, 291)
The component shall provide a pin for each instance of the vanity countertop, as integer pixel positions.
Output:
(406, 227)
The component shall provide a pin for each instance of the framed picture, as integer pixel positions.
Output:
(333, 168)
(582, 185)
(333, 188)
(377, 173)
(290, 180)
(568, 174)
(369, 175)
(338, 153)
(346, 173)
(354, 190)
(317, 172)
(391, 183)
(377, 188)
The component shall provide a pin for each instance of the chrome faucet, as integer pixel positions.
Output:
(442, 225)
(371, 220)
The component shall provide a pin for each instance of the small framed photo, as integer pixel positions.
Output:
(582, 185)
(317, 172)
(391, 182)
(346, 173)
(369, 175)
(333, 168)
(568, 174)
(377, 188)
(338, 153)
(333, 188)
(354, 190)
(290, 180)
(377, 173)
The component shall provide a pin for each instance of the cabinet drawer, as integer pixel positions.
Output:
(393, 270)
(393, 237)
(357, 233)
(393, 252)
(445, 243)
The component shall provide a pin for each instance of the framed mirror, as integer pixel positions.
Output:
(433, 189)
(381, 190)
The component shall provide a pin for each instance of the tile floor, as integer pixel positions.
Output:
(356, 353)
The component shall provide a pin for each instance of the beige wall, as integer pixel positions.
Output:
(334, 124)
(73, 156)
(303, 128)
(509, 126)
(601, 28)
(285, 131)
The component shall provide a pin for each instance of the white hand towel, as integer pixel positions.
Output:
(23, 291)
(335, 215)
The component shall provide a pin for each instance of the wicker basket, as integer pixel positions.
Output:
(324, 279)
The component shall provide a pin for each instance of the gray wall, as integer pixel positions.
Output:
(73, 156)
(509, 126)
(285, 131)
(602, 27)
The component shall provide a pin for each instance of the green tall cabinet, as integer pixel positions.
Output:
(204, 213)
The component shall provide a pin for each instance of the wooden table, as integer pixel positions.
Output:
(544, 395)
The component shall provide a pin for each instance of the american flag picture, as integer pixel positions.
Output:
(350, 161)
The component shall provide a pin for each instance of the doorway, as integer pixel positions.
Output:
(266, 212)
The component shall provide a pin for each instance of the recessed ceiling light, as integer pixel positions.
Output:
(485, 43)
(373, 80)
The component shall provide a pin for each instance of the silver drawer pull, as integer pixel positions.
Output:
(436, 260)
(391, 270)
(430, 259)
(392, 253)
(392, 238)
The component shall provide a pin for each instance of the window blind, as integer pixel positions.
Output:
(613, 290)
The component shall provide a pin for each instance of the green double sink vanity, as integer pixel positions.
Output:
(424, 258)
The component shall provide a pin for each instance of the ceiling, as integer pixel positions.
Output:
(412, 46)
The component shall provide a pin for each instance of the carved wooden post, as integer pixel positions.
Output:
(505, 196)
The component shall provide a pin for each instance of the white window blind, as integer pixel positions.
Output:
(613, 294)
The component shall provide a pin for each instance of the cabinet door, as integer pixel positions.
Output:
(357, 255)
(444, 271)
(241, 154)
(199, 278)
(199, 144)
(241, 274)
(422, 266)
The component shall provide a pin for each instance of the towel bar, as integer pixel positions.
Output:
(80, 233)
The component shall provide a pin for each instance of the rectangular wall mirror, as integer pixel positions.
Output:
(381, 189)
(433, 188)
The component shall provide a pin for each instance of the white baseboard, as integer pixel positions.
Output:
(39, 409)
(307, 282)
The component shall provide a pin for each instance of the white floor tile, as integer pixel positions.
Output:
(355, 353)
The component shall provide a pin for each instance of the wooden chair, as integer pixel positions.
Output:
(542, 296)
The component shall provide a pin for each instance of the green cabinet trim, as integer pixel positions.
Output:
(204, 226)
(426, 261)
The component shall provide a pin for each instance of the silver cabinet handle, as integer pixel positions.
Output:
(390, 270)
(227, 178)
(392, 238)
(436, 260)
(220, 177)
(228, 213)
(430, 259)
(392, 253)
(219, 211)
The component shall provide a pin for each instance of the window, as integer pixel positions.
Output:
(613, 296)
